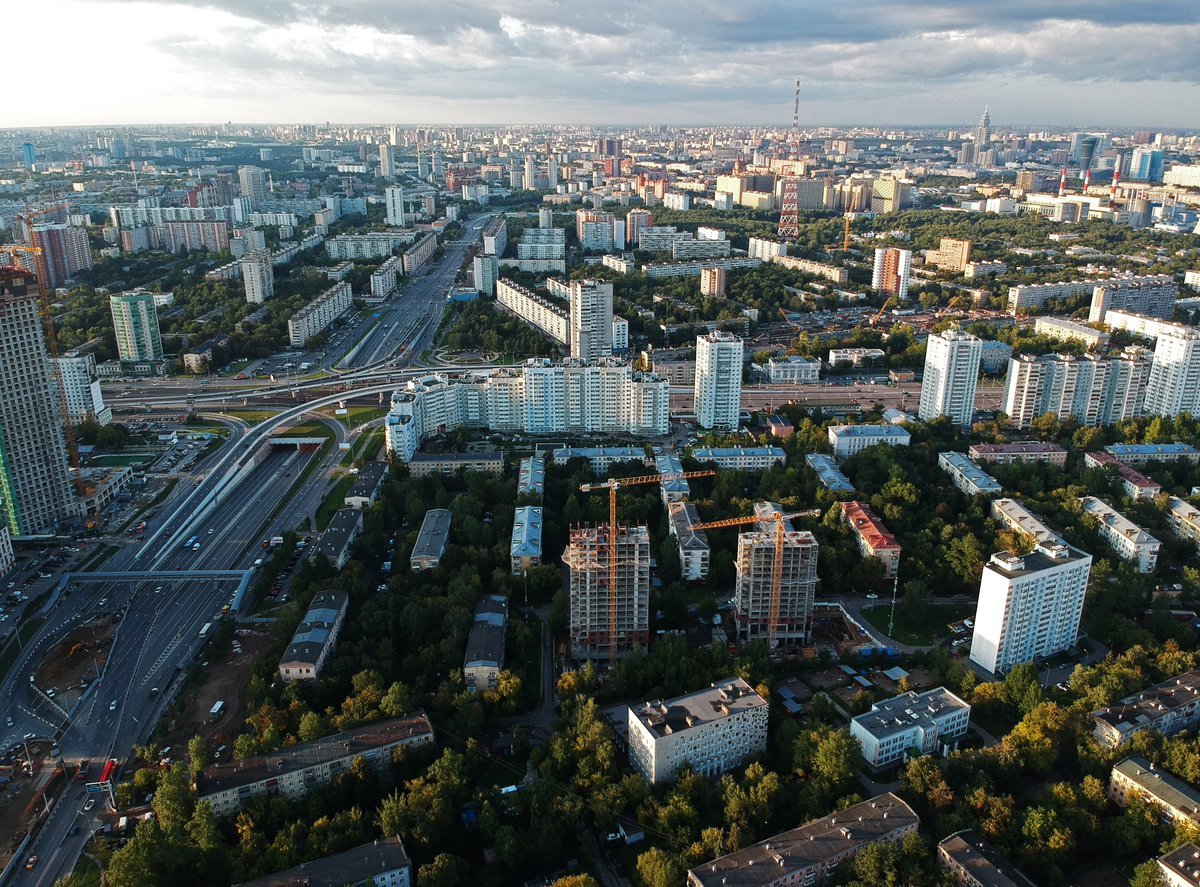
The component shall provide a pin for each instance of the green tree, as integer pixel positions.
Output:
(198, 757)
(446, 870)
(658, 869)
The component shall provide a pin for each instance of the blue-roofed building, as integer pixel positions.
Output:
(601, 458)
(847, 440)
(526, 547)
(968, 476)
(741, 458)
(315, 637)
(532, 478)
(1137, 454)
(675, 490)
(828, 473)
(485, 646)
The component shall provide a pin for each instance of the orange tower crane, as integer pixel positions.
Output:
(612, 485)
(52, 346)
(780, 520)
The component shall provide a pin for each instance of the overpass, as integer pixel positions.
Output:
(242, 577)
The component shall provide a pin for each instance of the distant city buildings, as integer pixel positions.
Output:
(1094, 390)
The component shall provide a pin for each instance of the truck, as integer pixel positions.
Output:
(276, 541)
(217, 709)
(204, 629)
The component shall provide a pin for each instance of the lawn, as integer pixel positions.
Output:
(115, 459)
(334, 501)
(920, 628)
(252, 417)
(365, 449)
(86, 874)
(308, 429)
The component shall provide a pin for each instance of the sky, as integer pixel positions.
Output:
(1129, 63)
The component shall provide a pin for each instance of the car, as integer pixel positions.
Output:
(91, 802)
(73, 832)
(112, 706)
(872, 597)
(211, 530)
(30, 863)
(103, 602)
(51, 692)
(8, 722)
(158, 590)
(12, 584)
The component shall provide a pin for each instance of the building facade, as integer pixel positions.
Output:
(595, 602)
(135, 323)
(872, 535)
(591, 319)
(718, 387)
(258, 276)
(911, 723)
(318, 314)
(951, 372)
(1092, 390)
(1127, 539)
(753, 607)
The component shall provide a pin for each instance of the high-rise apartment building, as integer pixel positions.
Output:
(591, 319)
(65, 251)
(395, 207)
(951, 255)
(712, 282)
(592, 628)
(754, 587)
(892, 270)
(1153, 294)
(34, 474)
(1092, 390)
(1029, 605)
(258, 276)
(1174, 385)
(485, 272)
(635, 221)
(718, 387)
(387, 161)
(252, 182)
(76, 373)
(951, 370)
(135, 323)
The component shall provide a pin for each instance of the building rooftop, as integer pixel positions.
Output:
(1184, 863)
(702, 454)
(485, 645)
(1183, 510)
(724, 698)
(894, 431)
(532, 478)
(1108, 460)
(345, 524)
(527, 532)
(901, 713)
(828, 473)
(355, 866)
(976, 476)
(682, 516)
(1025, 519)
(1146, 706)
(811, 844)
(450, 458)
(1116, 521)
(1044, 556)
(668, 463)
(1160, 784)
(562, 454)
(313, 631)
(1031, 447)
(868, 525)
(1150, 451)
(220, 777)
(983, 865)
(370, 476)
(435, 530)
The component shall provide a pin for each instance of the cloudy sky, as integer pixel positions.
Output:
(1057, 62)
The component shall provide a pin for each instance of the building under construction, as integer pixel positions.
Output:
(587, 555)
(755, 575)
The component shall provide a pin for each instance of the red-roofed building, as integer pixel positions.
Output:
(1136, 484)
(874, 539)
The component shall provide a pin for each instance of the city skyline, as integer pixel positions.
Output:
(256, 61)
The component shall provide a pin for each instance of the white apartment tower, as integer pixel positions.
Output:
(754, 587)
(76, 373)
(1091, 389)
(1174, 385)
(718, 387)
(591, 319)
(486, 269)
(1029, 605)
(395, 207)
(252, 182)
(258, 276)
(951, 370)
(387, 161)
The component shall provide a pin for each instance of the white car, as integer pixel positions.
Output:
(112, 706)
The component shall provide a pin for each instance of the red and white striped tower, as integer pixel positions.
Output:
(1062, 183)
(1087, 180)
(1112, 194)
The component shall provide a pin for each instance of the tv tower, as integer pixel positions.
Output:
(789, 208)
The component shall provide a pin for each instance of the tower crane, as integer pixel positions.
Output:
(612, 485)
(780, 520)
(52, 346)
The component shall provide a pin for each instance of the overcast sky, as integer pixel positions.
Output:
(1057, 62)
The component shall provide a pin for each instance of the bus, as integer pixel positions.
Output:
(187, 546)
(204, 629)
(110, 768)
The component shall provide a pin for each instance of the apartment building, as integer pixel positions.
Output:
(807, 855)
(855, 357)
(526, 547)
(1015, 516)
(1183, 519)
(741, 458)
(1181, 867)
(1029, 605)
(686, 248)
(1154, 295)
(718, 386)
(712, 282)
(968, 476)
(76, 373)
(832, 273)
(315, 637)
(364, 492)
(923, 723)
(828, 473)
(1126, 538)
(973, 863)
(291, 773)
(551, 318)
(531, 476)
(872, 535)
(381, 863)
(712, 731)
(318, 314)
(793, 370)
(591, 319)
(7, 557)
(419, 253)
(1012, 453)
(1064, 330)
(951, 255)
(425, 464)
(372, 245)
(431, 540)
(1140, 454)
(694, 551)
(951, 372)
(760, 248)
(1174, 385)
(1092, 390)
(1135, 484)
(135, 324)
(335, 542)
(484, 659)
(753, 588)
(1136, 777)
(485, 271)
(672, 488)
(693, 267)
(258, 276)
(1165, 708)
(593, 634)
(601, 459)
(1031, 297)
(1140, 324)
(495, 236)
(891, 272)
(847, 440)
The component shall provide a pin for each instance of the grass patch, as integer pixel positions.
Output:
(918, 629)
(360, 414)
(334, 500)
(86, 874)
(308, 429)
(118, 459)
(252, 417)
(365, 449)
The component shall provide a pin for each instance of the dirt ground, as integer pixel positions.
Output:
(74, 661)
(224, 679)
(18, 796)
(827, 679)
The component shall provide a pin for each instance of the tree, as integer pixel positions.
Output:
(198, 757)
(1148, 874)
(576, 881)
(173, 801)
(446, 870)
(657, 869)
(312, 726)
